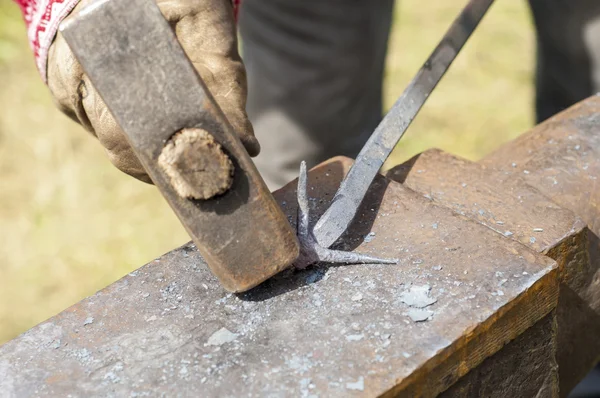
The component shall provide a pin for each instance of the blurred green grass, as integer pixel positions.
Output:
(70, 223)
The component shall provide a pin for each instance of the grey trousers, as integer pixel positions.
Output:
(315, 71)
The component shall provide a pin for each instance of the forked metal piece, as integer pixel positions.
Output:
(310, 250)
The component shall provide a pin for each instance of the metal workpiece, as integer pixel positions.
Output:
(391, 129)
(134, 60)
(310, 250)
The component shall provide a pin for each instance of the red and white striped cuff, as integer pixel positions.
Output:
(43, 17)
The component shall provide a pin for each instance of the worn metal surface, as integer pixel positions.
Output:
(134, 60)
(561, 159)
(515, 209)
(353, 188)
(333, 331)
(510, 207)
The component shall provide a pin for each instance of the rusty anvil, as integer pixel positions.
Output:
(189, 149)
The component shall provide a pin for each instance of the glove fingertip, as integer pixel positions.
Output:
(252, 145)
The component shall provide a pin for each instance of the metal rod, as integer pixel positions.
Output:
(348, 198)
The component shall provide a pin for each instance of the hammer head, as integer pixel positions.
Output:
(183, 139)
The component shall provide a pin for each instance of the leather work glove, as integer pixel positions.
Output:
(207, 32)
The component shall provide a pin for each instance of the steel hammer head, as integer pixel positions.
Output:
(183, 139)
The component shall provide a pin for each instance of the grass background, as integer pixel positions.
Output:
(70, 223)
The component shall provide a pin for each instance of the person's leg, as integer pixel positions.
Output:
(315, 71)
(568, 59)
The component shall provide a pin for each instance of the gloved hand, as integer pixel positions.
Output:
(207, 33)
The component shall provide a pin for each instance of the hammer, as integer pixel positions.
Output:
(183, 140)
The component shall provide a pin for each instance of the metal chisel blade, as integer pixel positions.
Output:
(334, 222)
